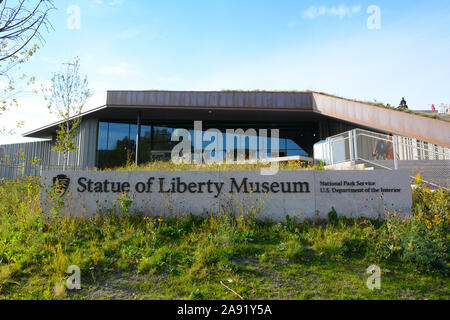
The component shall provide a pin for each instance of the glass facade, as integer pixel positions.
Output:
(117, 141)
(117, 144)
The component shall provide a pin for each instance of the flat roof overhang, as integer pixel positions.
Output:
(237, 106)
(177, 114)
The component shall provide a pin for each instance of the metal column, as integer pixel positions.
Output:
(355, 148)
(330, 152)
(394, 143)
(138, 138)
(350, 145)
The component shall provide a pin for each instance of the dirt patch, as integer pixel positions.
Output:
(126, 286)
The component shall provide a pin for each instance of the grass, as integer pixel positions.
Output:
(387, 106)
(128, 256)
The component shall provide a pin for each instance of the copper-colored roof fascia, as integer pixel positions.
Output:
(142, 107)
(234, 99)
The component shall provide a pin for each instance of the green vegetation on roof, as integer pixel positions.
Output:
(376, 104)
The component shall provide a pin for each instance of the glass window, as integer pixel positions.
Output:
(292, 145)
(103, 135)
(117, 141)
(162, 139)
(296, 152)
(116, 146)
(281, 143)
(145, 144)
(132, 136)
(119, 134)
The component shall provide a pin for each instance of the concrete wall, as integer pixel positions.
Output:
(351, 193)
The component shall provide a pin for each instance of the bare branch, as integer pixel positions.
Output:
(67, 97)
(20, 24)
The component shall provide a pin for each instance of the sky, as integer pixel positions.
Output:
(375, 50)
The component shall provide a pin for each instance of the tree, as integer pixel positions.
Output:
(21, 22)
(67, 97)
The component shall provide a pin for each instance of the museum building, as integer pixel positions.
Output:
(137, 126)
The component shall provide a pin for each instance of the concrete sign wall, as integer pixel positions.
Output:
(307, 194)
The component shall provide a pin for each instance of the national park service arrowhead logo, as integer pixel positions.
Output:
(61, 184)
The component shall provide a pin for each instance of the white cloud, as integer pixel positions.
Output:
(292, 23)
(128, 34)
(174, 78)
(111, 3)
(33, 111)
(341, 11)
(115, 2)
(97, 100)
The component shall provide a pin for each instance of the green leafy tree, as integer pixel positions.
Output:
(67, 97)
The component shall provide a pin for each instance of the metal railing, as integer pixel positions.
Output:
(382, 151)
(16, 170)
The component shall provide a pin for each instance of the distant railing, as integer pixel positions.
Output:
(388, 152)
(16, 171)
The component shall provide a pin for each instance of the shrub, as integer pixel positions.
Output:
(291, 249)
(354, 244)
(333, 217)
(422, 238)
(426, 251)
